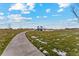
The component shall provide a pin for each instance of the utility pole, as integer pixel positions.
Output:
(75, 11)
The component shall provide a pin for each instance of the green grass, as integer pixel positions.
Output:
(5, 37)
(61, 40)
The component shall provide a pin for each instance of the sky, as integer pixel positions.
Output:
(31, 15)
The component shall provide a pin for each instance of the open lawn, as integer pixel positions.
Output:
(5, 37)
(57, 42)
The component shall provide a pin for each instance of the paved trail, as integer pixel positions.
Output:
(21, 46)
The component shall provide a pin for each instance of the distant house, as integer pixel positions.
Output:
(40, 28)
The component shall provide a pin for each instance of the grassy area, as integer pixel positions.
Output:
(57, 42)
(5, 37)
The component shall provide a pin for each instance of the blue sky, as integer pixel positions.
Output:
(31, 15)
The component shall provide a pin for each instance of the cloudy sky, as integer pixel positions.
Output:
(30, 15)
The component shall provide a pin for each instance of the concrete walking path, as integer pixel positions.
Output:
(21, 46)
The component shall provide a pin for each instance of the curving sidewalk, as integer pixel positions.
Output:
(21, 46)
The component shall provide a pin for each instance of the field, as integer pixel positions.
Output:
(5, 37)
(56, 42)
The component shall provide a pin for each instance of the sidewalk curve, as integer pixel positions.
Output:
(21, 46)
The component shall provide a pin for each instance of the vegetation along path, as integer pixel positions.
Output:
(21, 46)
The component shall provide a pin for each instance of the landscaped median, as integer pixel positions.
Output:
(6, 36)
(57, 42)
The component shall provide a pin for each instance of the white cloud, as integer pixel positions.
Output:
(55, 15)
(2, 17)
(17, 6)
(48, 10)
(37, 16)
(31, 6)
(17, 18)
(1, 13)
(41, 4)
(29, 18)
(60, 10)
(62, 6)
(25, 12)
(71, 23)
(45, 16)
(24, 8)
(74, 20)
